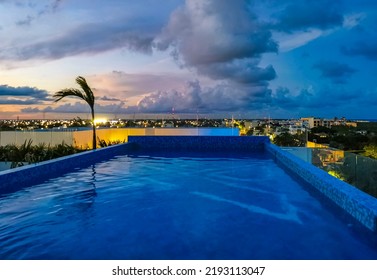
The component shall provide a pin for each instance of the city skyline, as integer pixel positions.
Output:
(250, 59)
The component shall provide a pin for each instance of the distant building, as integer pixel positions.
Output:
(308, 122)
(353, 124)
(315, 122)
(294, 129)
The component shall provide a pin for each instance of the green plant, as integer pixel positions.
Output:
(288, 140)
(27, 153)
(370, 150)
(102, 143)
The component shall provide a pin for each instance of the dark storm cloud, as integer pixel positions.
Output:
(88, 38)
(122, 31)
(18, 101)
(338, 73)
(309, 98)
(225, 41)
(22, 95)
(367, 49)
(239, 71)
(300, 15)
(194, 97)
(9, 91)
(220, 39)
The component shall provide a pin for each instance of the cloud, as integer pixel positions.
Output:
(338, 73)
(195, 98)
(88, 28)
(192, 98)
(241, 71)
(38, 11)
(6, 90)
(219, 39)
(79, 107)
(326, 98)
(299, 15)
(31, 110)
(290, 41)
(225, 97)
(234, 53)
(125, 85)
(367, 49)
(105, 98)
(22, 95)
(89, 38)
(18, 101)
(353, 20)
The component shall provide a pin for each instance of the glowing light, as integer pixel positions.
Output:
(100, 121)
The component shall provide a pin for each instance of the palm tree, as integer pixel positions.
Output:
(84, 93)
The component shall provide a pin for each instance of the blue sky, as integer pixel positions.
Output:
(249, 59)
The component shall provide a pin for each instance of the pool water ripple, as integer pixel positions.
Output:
(176, 207)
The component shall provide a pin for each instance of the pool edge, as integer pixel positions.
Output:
(355, 202)
(17, 178)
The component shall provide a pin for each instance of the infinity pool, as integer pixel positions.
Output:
(178, 206)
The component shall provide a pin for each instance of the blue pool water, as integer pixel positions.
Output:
(178, 206)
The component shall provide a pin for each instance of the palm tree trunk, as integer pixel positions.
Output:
(94, 131)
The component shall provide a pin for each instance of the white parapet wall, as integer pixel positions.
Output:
(37, 137)
(83, 139)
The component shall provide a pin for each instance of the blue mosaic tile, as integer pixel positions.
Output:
(200, 143)
(358, 204)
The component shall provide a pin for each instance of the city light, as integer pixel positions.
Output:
(100, 121)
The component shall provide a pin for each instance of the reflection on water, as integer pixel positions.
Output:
(93, 179)
(354, 169)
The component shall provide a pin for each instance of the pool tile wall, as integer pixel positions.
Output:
(200, 143)
(360, 205)
(15, 179)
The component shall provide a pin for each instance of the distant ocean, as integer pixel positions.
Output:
(365, 120)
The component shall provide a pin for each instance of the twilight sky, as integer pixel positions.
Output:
(215, 58)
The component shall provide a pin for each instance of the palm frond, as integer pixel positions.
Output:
(84, 93)
(89, 96)
(68, 92)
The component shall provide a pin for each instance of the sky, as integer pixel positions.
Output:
(206, 58)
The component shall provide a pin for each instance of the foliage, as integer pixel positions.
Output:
(343, 129)
(288, 140)
(349, 142)
(102, 143)
(250, 132)
(322, 129)
(368, 126)
(27, 153)
(336, 174)
(16, 154)
(371, 151)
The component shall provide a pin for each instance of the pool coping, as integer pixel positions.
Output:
(360, 205)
